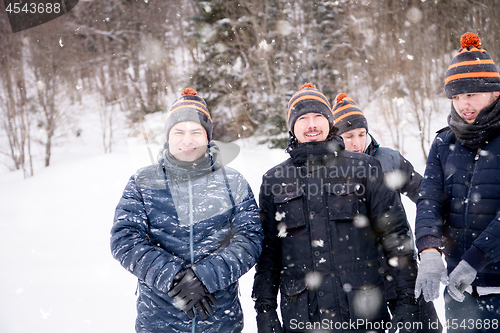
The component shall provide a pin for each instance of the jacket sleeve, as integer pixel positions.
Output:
(130, 243)
(219, 270)
(486, 247)
(431, 202)
(388, 219)
(268, 268)
(411, 187)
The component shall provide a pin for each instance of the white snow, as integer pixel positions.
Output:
(57, 272)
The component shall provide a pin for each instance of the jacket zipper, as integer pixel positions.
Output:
(191, 221)
(467, 205)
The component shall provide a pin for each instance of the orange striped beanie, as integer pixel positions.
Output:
(472, 70)
(308, 100)
(347, 115)
(189, 107)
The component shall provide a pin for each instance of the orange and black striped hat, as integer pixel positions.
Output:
(347, 115)
(308, 100)
(189, 107)
(472, 70)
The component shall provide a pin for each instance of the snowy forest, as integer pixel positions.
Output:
(245, 58)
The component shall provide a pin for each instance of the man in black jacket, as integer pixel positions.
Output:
(399, 174)
(325, 213)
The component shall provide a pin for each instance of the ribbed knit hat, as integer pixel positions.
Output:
(308, 100)
(189, 107)
(472, 70)
(347, 115)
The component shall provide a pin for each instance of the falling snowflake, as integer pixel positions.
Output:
(393, 262)
(279, 216)
(360, 221)
(394, 179)
(313, 280)
(318, 243)
(282, 230)
(367, 302)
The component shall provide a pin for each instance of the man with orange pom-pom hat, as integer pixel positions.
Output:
(188, 228)
(399, 174)
(325, 213)
(458, 210)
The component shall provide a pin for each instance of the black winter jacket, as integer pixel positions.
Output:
(392, 161)
(323, 222)
(459, 207)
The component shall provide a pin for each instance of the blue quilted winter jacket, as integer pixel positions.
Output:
(459, 206)
(172, 217)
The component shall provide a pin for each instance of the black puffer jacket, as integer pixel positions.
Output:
(459, 207)
(323, 221)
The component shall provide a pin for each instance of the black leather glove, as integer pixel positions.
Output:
(204, 307)
(407, 313)
(267, 321)
(190, 293)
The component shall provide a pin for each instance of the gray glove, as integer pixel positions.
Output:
(460, 278)
(430, 273)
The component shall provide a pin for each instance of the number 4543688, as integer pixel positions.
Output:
(33, 8)
(471, 324)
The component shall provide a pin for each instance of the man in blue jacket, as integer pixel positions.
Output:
(188, 228)
(458, 212)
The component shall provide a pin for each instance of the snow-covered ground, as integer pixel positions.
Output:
(57, 272)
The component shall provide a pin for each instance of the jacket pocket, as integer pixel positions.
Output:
(294, 302)
(290, 210)
(365, 294)
(343, 200)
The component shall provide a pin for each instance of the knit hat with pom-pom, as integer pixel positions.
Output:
(308, 100)
(472, 70)
(347, 115)
(189, 107)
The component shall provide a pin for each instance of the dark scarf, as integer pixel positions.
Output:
(481, 132)
(209, 162)
(314, 151)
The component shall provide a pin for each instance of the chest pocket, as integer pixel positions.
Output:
(290, 210)
(343, 200)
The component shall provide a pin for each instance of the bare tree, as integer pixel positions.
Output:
(14, 104)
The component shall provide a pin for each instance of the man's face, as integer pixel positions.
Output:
(468, 106)
(355, 140)
(187, 141)
(311, 127)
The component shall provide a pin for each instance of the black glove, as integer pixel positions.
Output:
(203, 307)
(189, 292)
(267, 321)
(407, 313)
